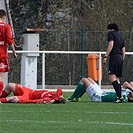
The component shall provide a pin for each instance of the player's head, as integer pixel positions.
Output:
(130, 97)
(113, 26)
(2, 13)
(61, 100)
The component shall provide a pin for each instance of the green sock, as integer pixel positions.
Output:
(79, 91)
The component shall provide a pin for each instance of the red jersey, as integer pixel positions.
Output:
(5, 39)
(27, 95)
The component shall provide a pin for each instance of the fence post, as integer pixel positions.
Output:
(132, 48)
(99, 72)
(43, 71)
(82, 56)
(29, 60)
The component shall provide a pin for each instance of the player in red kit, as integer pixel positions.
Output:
(23, 94)
(5, 40)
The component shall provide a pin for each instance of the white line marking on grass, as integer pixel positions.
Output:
(88, 112)
(30, 121)
(25, 111)
(62, 122)
(108, 112)
(113, 123)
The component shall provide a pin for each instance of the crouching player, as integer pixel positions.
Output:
(23, 94)
(96, 94)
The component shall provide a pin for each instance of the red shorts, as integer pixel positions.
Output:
(4, 66)
(22, 93)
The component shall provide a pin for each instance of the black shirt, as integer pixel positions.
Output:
(118, 42)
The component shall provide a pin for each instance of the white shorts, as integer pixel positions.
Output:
(94, 92)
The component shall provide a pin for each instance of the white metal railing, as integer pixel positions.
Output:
(67, 52)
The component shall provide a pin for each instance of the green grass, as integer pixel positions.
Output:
(81, 117)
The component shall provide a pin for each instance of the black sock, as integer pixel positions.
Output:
(117, 88)
(120, 89)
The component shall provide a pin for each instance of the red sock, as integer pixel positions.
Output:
(3, 94)
(3, 100)
(1, 86)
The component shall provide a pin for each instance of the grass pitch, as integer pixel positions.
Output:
(80, 117)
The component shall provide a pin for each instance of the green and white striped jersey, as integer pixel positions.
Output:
(110, 96)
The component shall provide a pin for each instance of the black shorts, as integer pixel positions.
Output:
(116, 65)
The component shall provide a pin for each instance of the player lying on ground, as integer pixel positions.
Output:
(23, 94)
(96, 94)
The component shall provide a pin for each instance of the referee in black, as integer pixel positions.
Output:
(116, 53)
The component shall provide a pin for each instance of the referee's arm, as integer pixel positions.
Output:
(123, 52)
(110, 46)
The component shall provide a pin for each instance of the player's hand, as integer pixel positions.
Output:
(46, 102)
(50, 102)
(14, 55)
(104, 60)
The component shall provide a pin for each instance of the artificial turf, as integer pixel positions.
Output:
(73, 117)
